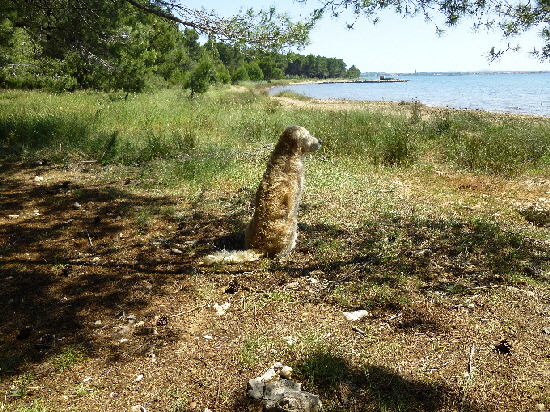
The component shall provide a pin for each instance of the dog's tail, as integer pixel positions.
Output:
(234, 256)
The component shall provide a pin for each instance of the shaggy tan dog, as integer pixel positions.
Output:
(273, 229)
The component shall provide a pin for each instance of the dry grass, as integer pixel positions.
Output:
(105, 304)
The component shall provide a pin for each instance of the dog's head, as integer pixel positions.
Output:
(298, 140)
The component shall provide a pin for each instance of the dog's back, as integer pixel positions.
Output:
(272, 229)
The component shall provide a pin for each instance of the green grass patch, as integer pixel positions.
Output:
(209, 130)
(68, 357)
(35, 406)
(293, 95)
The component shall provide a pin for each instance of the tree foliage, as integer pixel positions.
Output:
(128, 44)
(105, 44)
(509, 16)
(263, 29)
(115, 45)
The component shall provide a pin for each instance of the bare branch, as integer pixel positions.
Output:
(264, 29)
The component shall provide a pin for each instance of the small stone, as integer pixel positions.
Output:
(357, 315)
(282, 395)
(138, 378)
(293, 285)
(138, 408)
(546, 330)
(290, 340)
(221, 309)
(286, 372)
(38, 178)
(77, 205)
(121, 332)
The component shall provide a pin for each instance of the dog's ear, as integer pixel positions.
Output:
(290, 140)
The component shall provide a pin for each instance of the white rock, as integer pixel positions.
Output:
(282, 395)
(269, 375)
(357, 315)
(286, 372)
(221, 309)
(290, 340)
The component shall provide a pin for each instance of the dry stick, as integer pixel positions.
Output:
(189, 311)
(89, 238)
(357, 330)
(471, 360)
(470, 371)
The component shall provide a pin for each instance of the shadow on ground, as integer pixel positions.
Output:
(68, 251)
(72, 250)
(373, 388)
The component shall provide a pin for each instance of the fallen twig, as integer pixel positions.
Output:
(89, 238)
(471, 360)
(189, 311)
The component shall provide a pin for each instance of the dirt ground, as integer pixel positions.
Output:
(104, 305)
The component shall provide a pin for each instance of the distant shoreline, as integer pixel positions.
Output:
(527, 94)
(474, 73)
(389, 80)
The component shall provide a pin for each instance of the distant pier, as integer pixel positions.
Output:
(382, 79)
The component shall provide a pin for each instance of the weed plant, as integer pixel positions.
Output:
(293, 95)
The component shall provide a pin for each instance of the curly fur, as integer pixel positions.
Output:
(273, 229)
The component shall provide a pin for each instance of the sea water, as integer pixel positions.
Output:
(525, 93)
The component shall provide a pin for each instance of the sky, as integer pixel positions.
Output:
(395, 44)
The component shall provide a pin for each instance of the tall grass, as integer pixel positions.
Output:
(219, 132)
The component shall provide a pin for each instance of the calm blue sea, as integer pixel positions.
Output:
(513, 93)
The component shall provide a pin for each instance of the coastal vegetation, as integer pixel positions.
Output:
(113, 128)
(433, 220)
